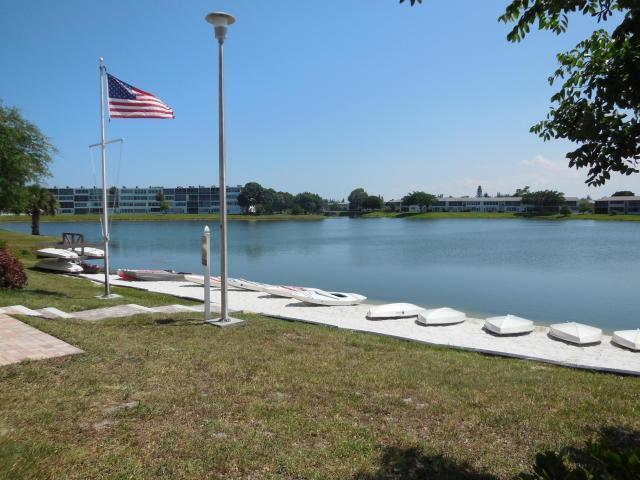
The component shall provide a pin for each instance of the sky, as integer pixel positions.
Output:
(322, 96)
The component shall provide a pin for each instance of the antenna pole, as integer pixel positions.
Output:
(105, 207)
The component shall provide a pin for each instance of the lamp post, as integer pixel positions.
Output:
(220, 22)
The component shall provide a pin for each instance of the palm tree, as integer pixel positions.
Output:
(40, 201)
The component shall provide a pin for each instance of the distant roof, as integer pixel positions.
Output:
(625, 198)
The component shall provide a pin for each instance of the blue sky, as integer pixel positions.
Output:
(322, 96)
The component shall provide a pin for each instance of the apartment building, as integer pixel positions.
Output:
(146, 200)
(624, 205)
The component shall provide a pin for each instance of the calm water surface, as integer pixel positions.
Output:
(548, 271)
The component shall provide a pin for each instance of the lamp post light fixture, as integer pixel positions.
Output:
(220, 22)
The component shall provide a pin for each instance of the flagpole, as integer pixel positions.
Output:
(105, 207)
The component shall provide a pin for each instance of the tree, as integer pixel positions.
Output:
(520, 192)
(423, 199)
(357, 198)
(309, 202)
(25, 155)
(598, 104)
(585, 206)
(39, 201)
(251, 195)
(623, 193)
(543, 201)
(163, 204)
(479, 191)
(373, 203)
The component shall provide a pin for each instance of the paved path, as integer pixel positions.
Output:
(468, 335)
(19, 341)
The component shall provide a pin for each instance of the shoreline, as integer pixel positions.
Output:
(318, 217)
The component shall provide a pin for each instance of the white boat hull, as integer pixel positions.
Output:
(89, 252)
(508, 325)
(577, 333)
(57, 253)
(150, 275)
(627, 338)
(59, 265)
(441, 316)
(394, 310)
(320, 297)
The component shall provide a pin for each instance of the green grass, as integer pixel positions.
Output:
(436, 215)
(274, 399)
(159, 217)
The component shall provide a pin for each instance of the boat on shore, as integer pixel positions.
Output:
(150, 275)
(577, 333)
(508, 325)
(441, 316)
(52, 252)
(394, 310)
(60, 265)
(628, 339)
(320, 297)
(88, 252)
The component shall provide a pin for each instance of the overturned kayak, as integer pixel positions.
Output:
(284, 291)
(150, 275)
(59, 265)
(394, 310)
(627, 338)
(51, 252)
(320, 297)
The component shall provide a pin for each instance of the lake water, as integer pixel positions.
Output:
(547, 271)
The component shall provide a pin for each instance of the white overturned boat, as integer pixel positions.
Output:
(51, 252)
(150, 275)
(59, 265)
(508, 325)
(577, 333)
(89, 252)
(394, 310)
(216, 282)
(627, 338)
(441, 316)
(284, 291)
(320, 297)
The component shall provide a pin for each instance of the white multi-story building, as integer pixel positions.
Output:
(477, 204)
(145, 200)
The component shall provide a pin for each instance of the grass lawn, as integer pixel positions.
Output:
(168, 397)
(158, 217)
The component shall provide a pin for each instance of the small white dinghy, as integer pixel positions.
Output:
(59, 265)
(441, 316)
(577, 333)
(215, 281)
(51, 252)
(508, 325)
(627, 338)
(394, 310)
(284, 291)
(150, 275)
(320, 297)
(89, 252)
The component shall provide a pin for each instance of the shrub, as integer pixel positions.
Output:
(12, 274)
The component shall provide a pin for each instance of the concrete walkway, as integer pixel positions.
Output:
(19, 341)
(469, 335)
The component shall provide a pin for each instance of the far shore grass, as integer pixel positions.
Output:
(168, 397)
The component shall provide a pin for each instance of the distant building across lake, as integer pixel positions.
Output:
(146, 200)
(623, 205)
(477, 204)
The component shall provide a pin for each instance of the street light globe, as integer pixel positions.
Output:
(220, 22)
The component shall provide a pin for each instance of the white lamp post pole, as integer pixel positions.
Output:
(220, 22)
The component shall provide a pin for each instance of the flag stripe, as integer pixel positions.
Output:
(127, 101)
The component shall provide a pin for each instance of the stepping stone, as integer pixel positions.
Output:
(173, 309)
(52, 313)
(20, 310)
(112, 312)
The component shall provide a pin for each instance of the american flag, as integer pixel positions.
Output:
(127, 101)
